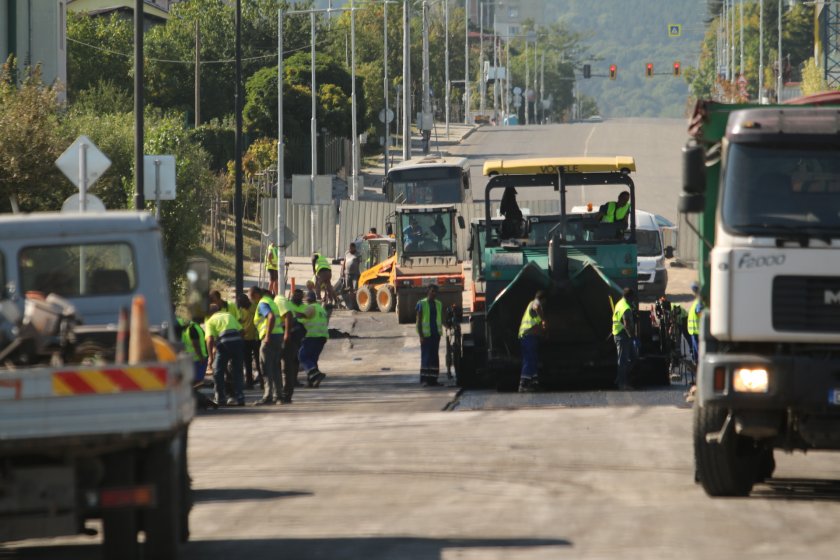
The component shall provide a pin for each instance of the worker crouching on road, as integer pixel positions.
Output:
(531, 329)
(323, 279)
(624, 330)
(429, 327)
(270, 330)
(192, 337)
(225, 346)
(316, 321)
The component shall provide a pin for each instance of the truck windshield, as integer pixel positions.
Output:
(782, 189)
(430, 185)
(648, 243)
(426, 234)
(78, 270)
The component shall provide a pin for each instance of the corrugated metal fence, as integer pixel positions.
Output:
(298, 221)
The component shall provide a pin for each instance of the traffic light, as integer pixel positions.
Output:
(613, 71)
(649, 70)
(677, 69)
(587, 71)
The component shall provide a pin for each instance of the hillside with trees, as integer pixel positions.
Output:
(630, 34)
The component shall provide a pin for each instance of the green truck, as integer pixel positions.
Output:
(765, 181)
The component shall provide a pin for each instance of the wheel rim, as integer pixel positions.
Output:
(363, 298)
(384, 298)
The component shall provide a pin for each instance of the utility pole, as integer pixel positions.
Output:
(354, 193)
(313, 130)
(536, 109)
(508, 72)
(406, 89)
(197, 75)
(281, 164)
(139, 198)
(527, 81)
(237, 194)
(385, 82)
(760, 50)
(495, 67)
(780, 79)
(542, 86)
(741, 34)
(446, 63)
(467, 62)
(426, 126)
(482, 85)
(732, 28)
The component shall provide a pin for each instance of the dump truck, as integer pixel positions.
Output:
(764, 182)
(83, 434)
(582, 263)
(425, 253)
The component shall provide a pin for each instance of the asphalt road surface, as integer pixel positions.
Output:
(372, 466)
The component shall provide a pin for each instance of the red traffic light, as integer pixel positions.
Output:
(677, 68)
(649, 70)
(613, 71)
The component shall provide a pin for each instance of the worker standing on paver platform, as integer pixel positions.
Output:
(429, 328)
(615, 212)
(623, 330)
(323, 278)
(316, 321)
(271, 266)
(225, 346)
(270, 331)
(291, 310)
(531, 329)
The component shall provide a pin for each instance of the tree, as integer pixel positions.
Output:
(29, 142)
(99, 49)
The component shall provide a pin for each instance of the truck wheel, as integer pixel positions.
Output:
(119, 526)
(385, 298)
(364, 299)
(162, 523)
(728, 468)
(185, 482)
(405, 312)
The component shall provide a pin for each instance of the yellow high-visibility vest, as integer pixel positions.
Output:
(426, 317)
(618, 314)
(262, 322)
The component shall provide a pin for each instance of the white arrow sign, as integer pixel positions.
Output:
(83, 163)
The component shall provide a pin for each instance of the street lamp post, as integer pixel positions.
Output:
(406, 92)
(466, 61)
(481, 84)
(760, 49)
(281, 167)
(385, 81)
(446, 61)
(779, 79)
(354, 194)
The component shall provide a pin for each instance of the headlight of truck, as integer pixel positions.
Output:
(750, 380)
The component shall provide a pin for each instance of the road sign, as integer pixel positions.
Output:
(382, 115)
(73, 203)
(674, 30)
(290, 236)
(159, 177)
(517, 90)
(83, 153)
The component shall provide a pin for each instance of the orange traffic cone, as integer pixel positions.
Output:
(140, 346)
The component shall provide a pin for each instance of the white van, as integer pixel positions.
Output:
(652, 252)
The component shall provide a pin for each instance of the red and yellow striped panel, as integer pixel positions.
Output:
(122, 380)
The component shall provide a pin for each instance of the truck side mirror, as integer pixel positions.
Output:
(198, 288)
(694, 170)
(461, 223)
(669, 252)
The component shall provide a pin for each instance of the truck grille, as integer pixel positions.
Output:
(803, 303)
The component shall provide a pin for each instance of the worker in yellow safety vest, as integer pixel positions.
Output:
(322, 268)
(192, 337)
(270, 329)
(272, 263)
(224, 305)
(693, 324)
(291, 311)
(531, 328)
(615, 212)
(316, 321)
(225, 347)
(624, 333)
(429, 327)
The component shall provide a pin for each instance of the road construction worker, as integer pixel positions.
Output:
(252, 342)
(323, 278)
(624, 331)
(192, 337)
(429, 328)
(371, 234)
(291, 310)
(272, 260)
(693, 324)
(270, 330)
(350, 268)
(316, 321)
(229, 306)
(225, 347)
(615, 212)
(531, 329)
